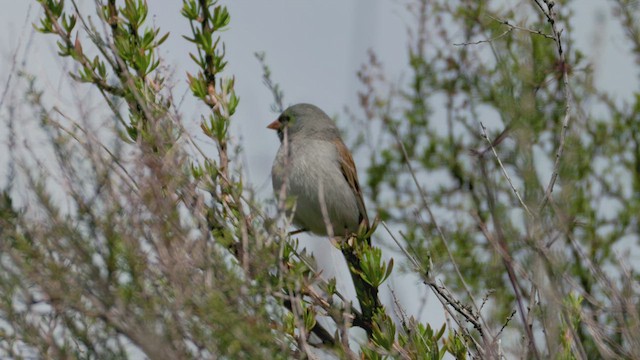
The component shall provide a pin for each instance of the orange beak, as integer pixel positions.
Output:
(274, 125)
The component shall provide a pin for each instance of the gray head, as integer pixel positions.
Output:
(305, 119)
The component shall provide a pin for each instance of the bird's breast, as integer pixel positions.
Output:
(313, 176)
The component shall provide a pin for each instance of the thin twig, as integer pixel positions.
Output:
(504, 171)
(506, 322)
(88, 135)
(516, 27)
(444, 296)
(274, 88)
(510, 28)
(14, 58)
(298, 315)
(486, 40)
(426, 206)
(551, 18)
(502, 248)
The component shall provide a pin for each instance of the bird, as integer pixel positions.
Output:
(314, 166)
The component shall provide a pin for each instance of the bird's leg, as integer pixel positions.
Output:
(296, 232)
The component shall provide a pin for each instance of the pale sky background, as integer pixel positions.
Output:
(314, 49)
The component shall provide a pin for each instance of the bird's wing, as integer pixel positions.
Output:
(348, 168)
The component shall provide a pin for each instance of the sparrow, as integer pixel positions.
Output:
(315, 166)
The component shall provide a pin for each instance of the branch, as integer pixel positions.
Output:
(504, 171)
(511, 27)
(551, 18)
(443, 295)
(274, 88)
(500, 245)
(425, 203)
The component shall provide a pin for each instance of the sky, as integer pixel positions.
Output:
(314, 49)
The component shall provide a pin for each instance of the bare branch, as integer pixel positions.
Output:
(504, 171)
(550, 14)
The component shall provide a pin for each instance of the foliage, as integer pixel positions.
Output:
(475, 194)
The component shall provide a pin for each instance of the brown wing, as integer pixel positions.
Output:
(348, 168)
